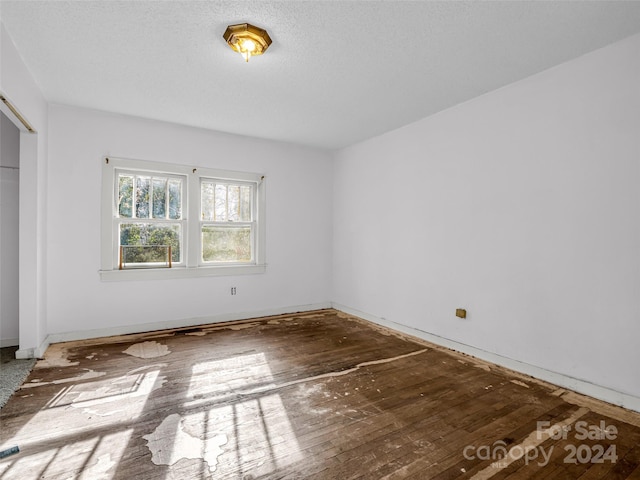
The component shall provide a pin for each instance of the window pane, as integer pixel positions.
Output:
(233, 203)
(159, 197)
(245, 203)
(125, 195)
(226, 203)
(226, 244)
(142, 197)
(134, 256)
(221, 203)
(207, 199)
(151, 234)
(175, 199)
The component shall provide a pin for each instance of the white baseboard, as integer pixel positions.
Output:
(166, 325)
(581, 386)
(25, 353)
(9, 342)
(38, 352)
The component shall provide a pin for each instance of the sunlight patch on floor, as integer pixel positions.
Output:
(89, 459)
(229, 375)
(258, 429)
(100, 404)
(134, 385)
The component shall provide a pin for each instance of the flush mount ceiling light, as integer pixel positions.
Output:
(247, 39)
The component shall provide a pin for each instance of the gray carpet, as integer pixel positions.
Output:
(12, 372)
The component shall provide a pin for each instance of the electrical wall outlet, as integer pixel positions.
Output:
(233, 290)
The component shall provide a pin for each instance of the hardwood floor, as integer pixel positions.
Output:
(317, 395)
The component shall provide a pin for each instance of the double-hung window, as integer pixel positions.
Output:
(148, 215)
(169, 221)
(227, 226)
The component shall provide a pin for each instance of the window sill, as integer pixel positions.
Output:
(178, 272)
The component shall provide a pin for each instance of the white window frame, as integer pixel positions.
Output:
(117, 220)
(252, 224)
(192, 264)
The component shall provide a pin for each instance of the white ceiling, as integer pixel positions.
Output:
(337, 72)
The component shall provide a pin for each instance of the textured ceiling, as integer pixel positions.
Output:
(338, 71)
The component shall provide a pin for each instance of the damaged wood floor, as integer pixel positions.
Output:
(317, 395)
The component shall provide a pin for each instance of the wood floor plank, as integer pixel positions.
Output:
(318, 395)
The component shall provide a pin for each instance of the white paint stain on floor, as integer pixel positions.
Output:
(482, 366)
(340, 373)
(161, 335)
(147, 350)
(242, 326)
(518, 382)
(97, 413)
(169, 444)
(89, 374)
(196, 334)
(233, 326)
(55, 356)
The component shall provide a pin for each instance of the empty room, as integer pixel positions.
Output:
(319, 239)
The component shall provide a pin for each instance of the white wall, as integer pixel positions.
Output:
(9, 194)
(521, 206)
(18, 85)
(299, 228)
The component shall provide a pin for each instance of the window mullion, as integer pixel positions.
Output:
(193, 221)
(166, 202)
(226, 202)
(134, 197)
(151, 189)
(215, 210)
